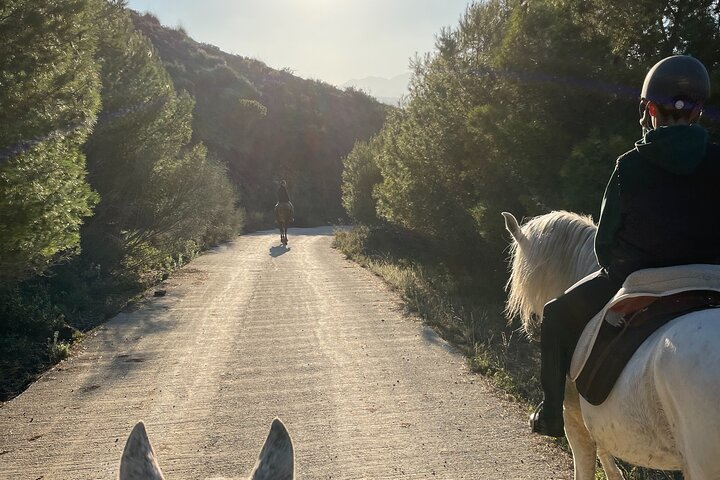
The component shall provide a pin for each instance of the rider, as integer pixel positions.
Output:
(283, 197)
(659, 209)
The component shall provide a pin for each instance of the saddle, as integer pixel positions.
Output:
(648, 300)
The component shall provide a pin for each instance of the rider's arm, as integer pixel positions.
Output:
(610, 221)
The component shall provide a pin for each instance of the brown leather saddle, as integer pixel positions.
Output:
(615, 345)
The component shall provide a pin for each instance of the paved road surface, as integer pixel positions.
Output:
(251, 331)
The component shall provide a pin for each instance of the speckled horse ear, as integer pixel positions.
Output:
(275, 462)
(277, 457)
(138, 459)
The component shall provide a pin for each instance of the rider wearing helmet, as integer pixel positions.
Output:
(661, 208)
(653, 212)
(282, 193)
(283, 197)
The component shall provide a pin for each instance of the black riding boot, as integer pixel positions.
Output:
(563, 322)
(548, 417)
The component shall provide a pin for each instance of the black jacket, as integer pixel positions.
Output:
(282, 195)
(662, 205)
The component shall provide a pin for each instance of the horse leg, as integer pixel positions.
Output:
(581, 442)
(612, 472)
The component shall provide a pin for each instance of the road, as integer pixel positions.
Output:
(251, 331)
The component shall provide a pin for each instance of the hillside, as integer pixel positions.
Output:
(267, 124)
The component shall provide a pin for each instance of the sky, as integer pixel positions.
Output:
(330, 40)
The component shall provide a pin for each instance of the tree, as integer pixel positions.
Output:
(49, 90)
(158, 190)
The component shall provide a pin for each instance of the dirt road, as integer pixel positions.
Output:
(251, 331)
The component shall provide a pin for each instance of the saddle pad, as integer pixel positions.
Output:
(615, 345)
(651, 282)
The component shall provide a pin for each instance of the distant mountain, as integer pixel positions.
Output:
(268, 124)
(387, 90)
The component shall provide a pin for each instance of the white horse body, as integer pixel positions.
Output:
(664, 411)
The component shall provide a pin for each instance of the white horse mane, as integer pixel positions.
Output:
(549, 253)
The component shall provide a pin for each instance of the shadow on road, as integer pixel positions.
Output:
(327, 230)
(278, 250)
(145, 320)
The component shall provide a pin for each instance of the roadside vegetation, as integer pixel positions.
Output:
(521, 107)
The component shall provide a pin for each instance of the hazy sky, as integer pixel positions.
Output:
(330, 40)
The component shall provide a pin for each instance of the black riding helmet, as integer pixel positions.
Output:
(675, 83)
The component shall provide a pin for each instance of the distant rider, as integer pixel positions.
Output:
(658, 210)
(283, 197)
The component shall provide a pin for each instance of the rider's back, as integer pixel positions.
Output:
(282, 195)
(669, 203)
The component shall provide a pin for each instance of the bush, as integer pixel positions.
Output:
(360, 175)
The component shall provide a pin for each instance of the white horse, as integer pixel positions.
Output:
(275, 462)
(664, 411)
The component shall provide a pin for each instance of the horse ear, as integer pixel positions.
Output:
(138, 460)
(277, 459)
(512, 226)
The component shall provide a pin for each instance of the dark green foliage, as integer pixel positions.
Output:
(49, 95)
(160, 196)
(267, 125)
(360, 175)
(584, 175)
(29, 335)
(524, 106)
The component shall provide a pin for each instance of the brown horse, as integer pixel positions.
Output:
(283, 216)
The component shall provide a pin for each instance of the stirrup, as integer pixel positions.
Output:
(539, 424)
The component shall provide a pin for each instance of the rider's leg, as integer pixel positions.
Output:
(564, 319)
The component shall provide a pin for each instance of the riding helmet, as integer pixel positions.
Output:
(679, 82)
